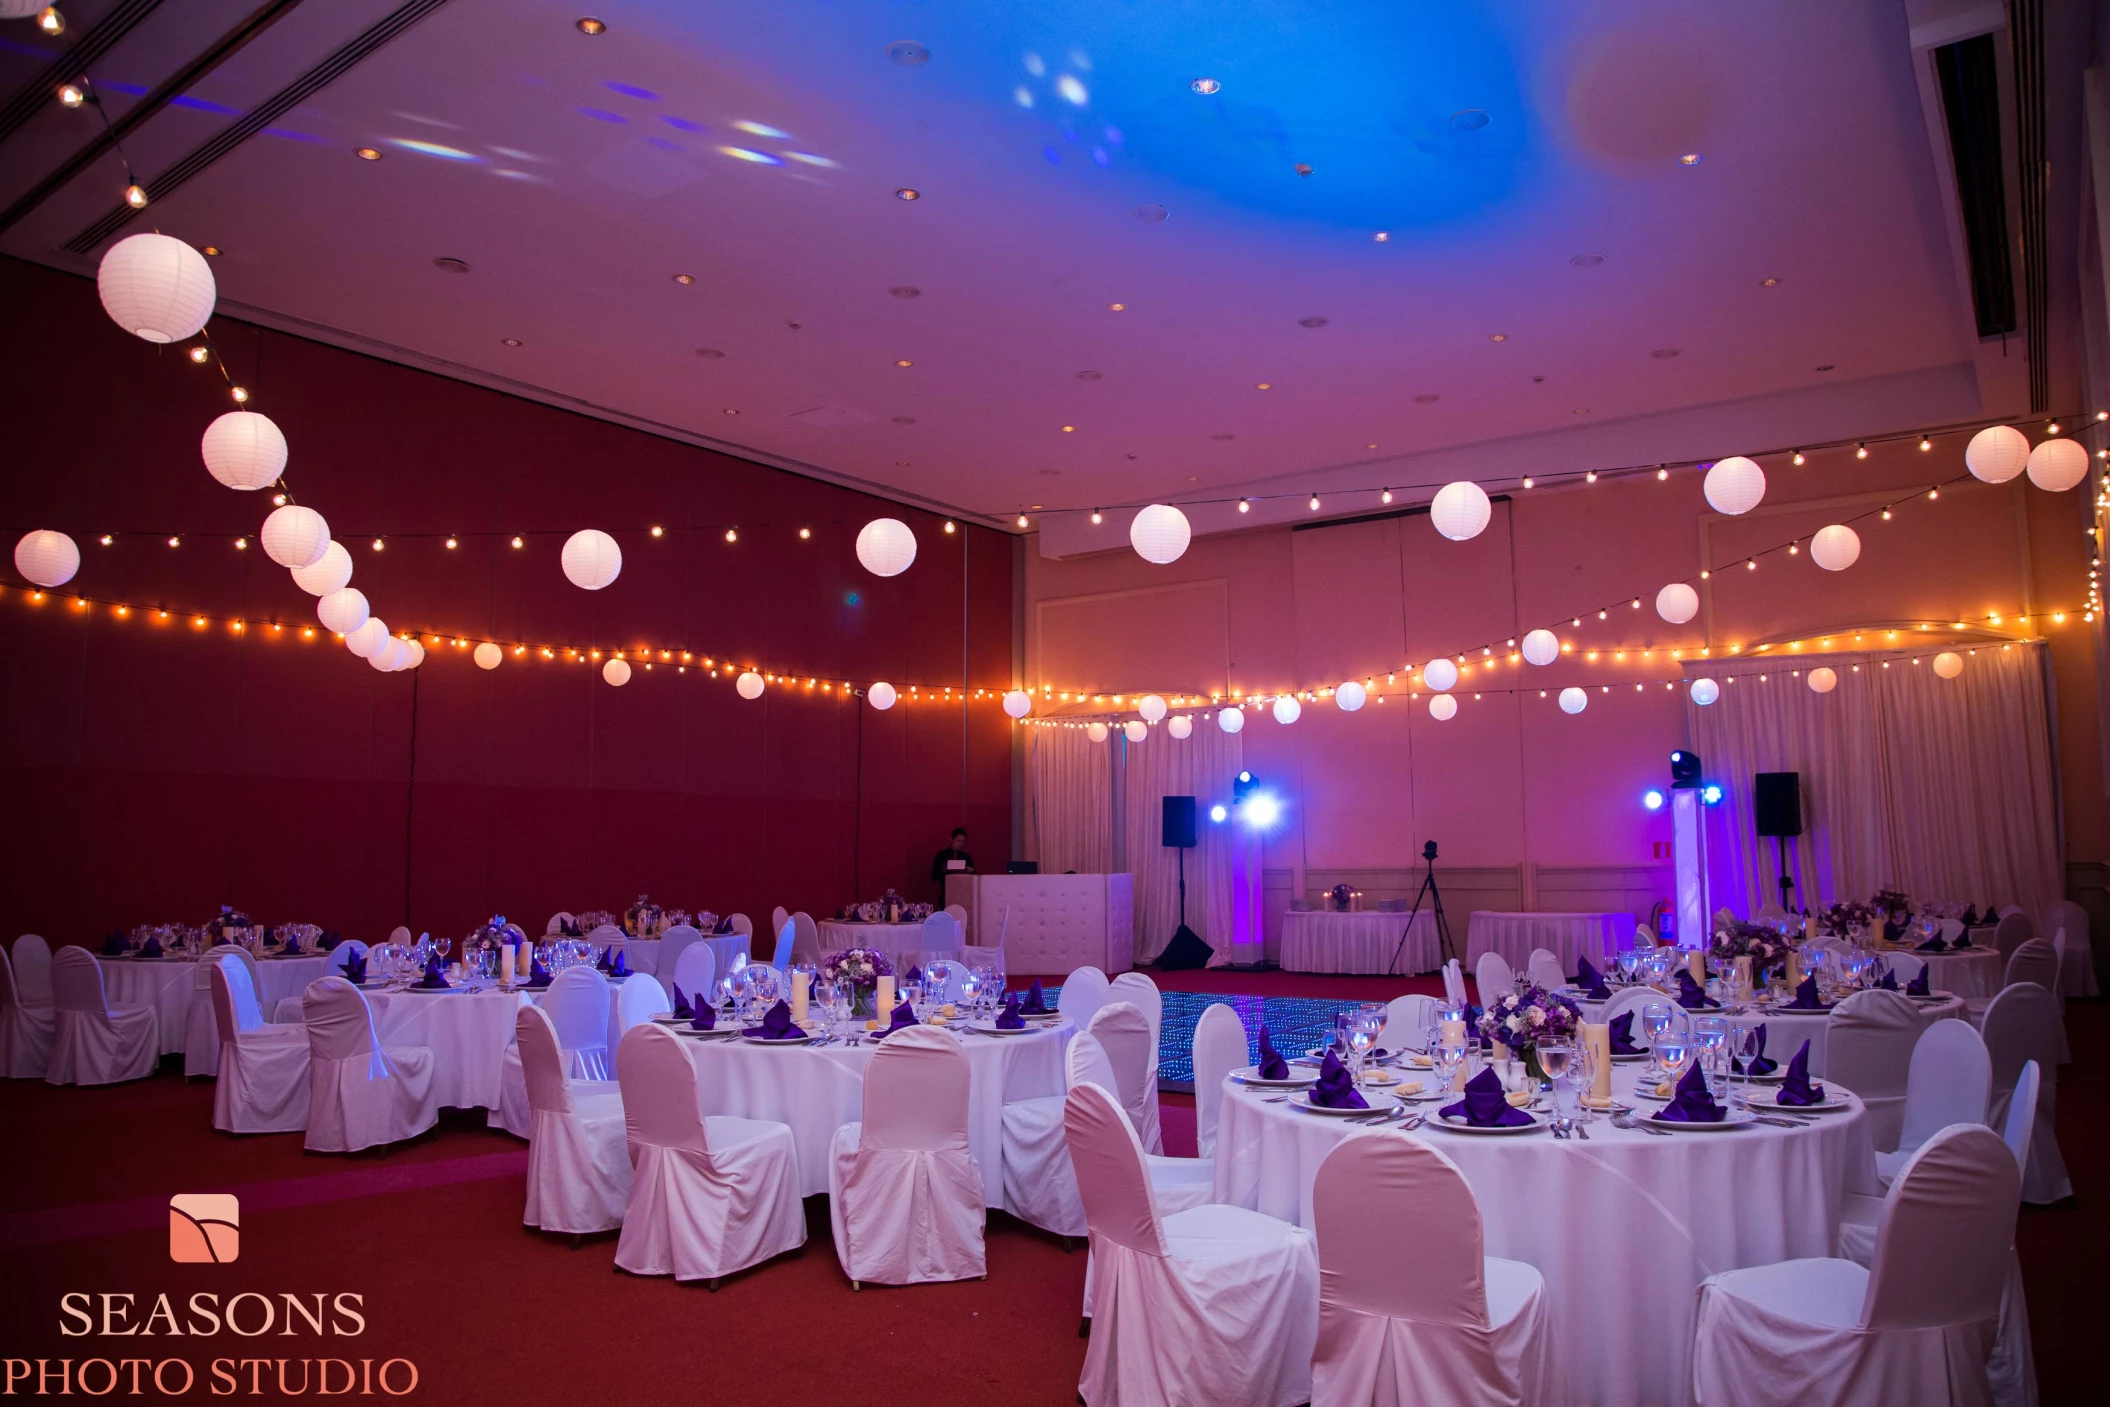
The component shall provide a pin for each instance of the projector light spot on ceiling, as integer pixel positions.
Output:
(1150, 214)
(1469, 119)
(908, 53)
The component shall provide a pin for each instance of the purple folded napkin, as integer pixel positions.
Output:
(1935, 945)
(1623, 1035)
(1970, 916)
(1591, 981)
(681, 1004)
(1795, 1086)
(606, 960)
(355, 969)
(725, 925)
(1892, 931)
(538, 975)
(1485, 1106)
(1889, 982)
(1335, 1089)
(776, 1025)
(292, 948)
(1692, 1104)
(327, 941)
(1759, 1064)
(904, 1015)
(1922, 985)
(914, 974)
(619, 968)
(114, 945)
(1991, 914)
(435, 978)
(1806, 997)
(1963, 940)
(151, 948)
(1008, 1019)
(702, 1018)
(1036, 1002)
(1690, 994)
(1272, 1065)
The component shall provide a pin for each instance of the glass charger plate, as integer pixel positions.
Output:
(1834, 1102)
(1303, 1101)
(764, 1040)
(990, 1028)
(1250, 1075)
(1459, 1125)
(1733, 1119)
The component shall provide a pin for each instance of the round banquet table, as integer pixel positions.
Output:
(1787, 1030)
(1974, 972)
(642, 954)
(169, 985)
(815, 1091)
(1366, 941)
(1567, 936)
(1623, 1227)
(899, 941)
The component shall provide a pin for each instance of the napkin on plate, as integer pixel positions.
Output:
(1486, 1105)
(328, 941)
(1806, 997)
(292, 948)
(619, 967)
(1922, 985)
(1990, 915)
(538, 975)
(1272, 1065)
(114, 945)
(914, 974)
(776, 1025)
(1335, 1089)
(1692, 1104)
(1963, 940)
(1036, 1002)
(725, 925)
(702, 1018)
(1759, 1064)
(151, 948)
(1889, 982)
(1795, 1086)
(1970, 916)
(1892, 931)
(435, 978)
(1591, 981)
(681, 1004)
(1936, 944)
(1008, 1019)
(904, 1015)
(1623, 1035)
(1690, 994)
(355, 969)
(606, 960)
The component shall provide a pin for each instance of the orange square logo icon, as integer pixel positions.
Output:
(204, 1228)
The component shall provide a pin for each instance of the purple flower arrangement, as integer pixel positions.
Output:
(1893, 902)
(1848, 915)
(1523, 1018)
(1760, 942)
(1342, 896)
(861, 967)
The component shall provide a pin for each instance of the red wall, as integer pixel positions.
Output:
(153, 771)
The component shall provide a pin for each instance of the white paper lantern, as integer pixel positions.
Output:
(389, 656)
(748, 685)
(1823, 680)
(2057, 465)
(372, 635)
(1181, 727)
(47, 558)
(488, 656)
(1948, 664)
(343, 610)
(1096, 732)
(330, 572)
(1231, 719)
(294, 536)
(1573, 700)
(591, 559)
(1735, 485)
(1351, 696)
(1151, 707)
(1440, 675)
(1443, 708)
(1018, 703)
(886, 546)
(244, 450)
(1677, 603)
(20, 9)
(1136, 729)
(616, 672)
(1288, 710)
(156, 287)
(1460, 510)
(1160, 533)
(1835, 548)
(1542, 647)
(1705, 691)
(881, 696)
(416, 653)
(1997, 453)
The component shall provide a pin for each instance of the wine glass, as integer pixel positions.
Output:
(1447, 1060)
(1672, 1051)
(1554, 1057)
(1361, 1033)
(1710, 1034)
(1743, 1050)
(1655, 1020)
(1582, 1073)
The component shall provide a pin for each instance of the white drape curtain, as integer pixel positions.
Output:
(1202, 766)
(1940, 787)
(1073, 809)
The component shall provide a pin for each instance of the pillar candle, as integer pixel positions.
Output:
(505, 965)
(798, 997)
(883, 1008)
(1743, 972)
(1794, 968)
(1696, 963)
(1598, 1037)
(1453, 1033)
(525, 963)
(1500, 1054)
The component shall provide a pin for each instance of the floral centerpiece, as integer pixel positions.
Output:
(1760, 942)
(228, 917)
(641, 920)
(861, 968)
(1342, 896)
(1892, 902)
(1523, 1018)
(889, 907)
(1843, 918)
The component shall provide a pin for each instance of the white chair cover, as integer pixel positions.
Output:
(557, 921)
(672, 944)
(1454, 983)
(2021, 1030)
(2013, 930)
(263, 1080)
(946, 979)
(787, 938)
(25, 1031)
(1137, 989)
(1905, 967)
(1868, 1041)
(1949, 1082)
(708, 1196)
(577, 1005)
(741, 924)
(33, 970)
(1633, 999)
(959, 916)
(640, 998)
(201, 1035)
(1492, 977)
(359, 1093)
(1219, 1048)
(1412, 1309)
(1083, 993)
(578, 1176)
(2034, 960)
(806, 942)
(1215, 1306)
(1546, 970)
(904, 1194)
(607, 935)
(343, 953)
(90, 1043)
(695, 971)
(1917, 1327)
(2068, 917)
(1124, 1030)
(778, 917)
(1407, 1020)
(399, 935)
(940, 933)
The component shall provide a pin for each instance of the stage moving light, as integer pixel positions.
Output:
(1684, 768)
(1711, 794)
(1242, 786)
(1262, 810)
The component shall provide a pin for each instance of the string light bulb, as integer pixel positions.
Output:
(1799, 458)
(1861, 451)
(1314, 503)
(1385, 497)
(1527, 481)
(1245, 506)
(518, 543)
(72, 95)
(1925, 444)
(51, 21)
(240, 394)
(136, 196)
(200, 355)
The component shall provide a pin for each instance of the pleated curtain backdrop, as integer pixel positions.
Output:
(1940, 787)
(1073, 808)
(1202, 766)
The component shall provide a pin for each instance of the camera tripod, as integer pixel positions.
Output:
(1430, 892)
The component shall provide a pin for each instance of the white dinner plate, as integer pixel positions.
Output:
(1733, 1119)
(1459, 1125)
(990, 1028)
(1834, 1101)
(432, 991)
(1303, 1101)
(716, 1033)
(788, 1040)
(1629, 1059)
(1297, 1079)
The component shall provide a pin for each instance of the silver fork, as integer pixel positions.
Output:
(1629, 1121)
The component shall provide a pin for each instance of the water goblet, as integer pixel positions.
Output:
(1710, 1035)
(1555, 1057)
(1655, 1020)
(1447, 1060)
(1743, 1050)
(1672, 1052)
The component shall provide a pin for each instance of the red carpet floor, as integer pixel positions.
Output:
(429, 1236)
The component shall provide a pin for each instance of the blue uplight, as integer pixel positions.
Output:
(1652, 799)
(682, 124)
(1711, 794)
(1219, 813)
(1262, 810)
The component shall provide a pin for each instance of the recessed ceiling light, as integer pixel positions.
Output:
(1691, 158)
(1037, 507)
(1205, 86)
(730, 411)
(1311, 322)
(510, 341)
(1664, 354)
(908, 53)
(709, 353)
(210, 251)
(587, 24)
(685, 279)
(1498, 337)
(1580, 410)
(1469, 119)
(451, 266)
(904, 420)
(1221, 435)
(1382, 236)
(1263, 385)
(368, 153)
(1826, 367)
(1087, 376)
(908, 193)
(1369, 446)
(1428, 398)
(1068, 429)
(904, 361)
(1116, 307)
(1769, 283)
(905, 290)
(1149, 214)
(1586, 261)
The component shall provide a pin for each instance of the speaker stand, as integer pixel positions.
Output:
(1186, 950)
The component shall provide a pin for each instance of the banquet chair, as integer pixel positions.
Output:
(1407, 1019)
(25, 1031)
(904, 1192)
(1413, 1309)
(1493, 978)
(2013, 931)
(708, 1196)
(2034, 960)
(557, 921)
(679, 963)
(1123, 1029)
(941, 933)
(1769, 910)
(959, 916)
(263, 1070)
(1950, 1082)
(607, 935)
(92, 1044)
(578, 1004)
(578, 1173)
(2072, 919)
(806, 943)
(399, 935)
(947, 979)
(360, 1093)
(1137, 988)
(201, 1033)
(742, 925)
(1868, 1044)
(1219, 1048)
(1213, 1305)
(778, 917)
(1915, 1326)
(1905, 967)
(787, 936)
(1545, 969)
(637, 1000)
(1454, 983)
(33, 970)
(1632, 999)
(1083, 993)
(2021, 1029)
(343, 953)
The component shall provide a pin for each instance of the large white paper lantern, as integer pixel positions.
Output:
(244, 450)
(1096, 732)
(886, 546)
(1460, 510)
(389, 656)
(372, 635)
(1835, 548)
(2057, 465)
(1443, 708)
(1351, 696)
(414, 653)
(343, 610)
(1997, 453)
(748, 685)
(591, 559)
(20, 9)
(1136, 729)
(1823, 680)
(881, 696)
(1573, 700)
(1181, 727)
(330, 572)
(1018, 703)
(1735, 485)
(616, 672)
(1288, 710)
(1231, 719)
(294, 536)
(1440, 674)
(1705, 691)
(488, 656)
(1160, 533)
(156, 287)
(1677, 603)
(1542, 646)
(47, 558)
(1151, 707)
(1948, 664)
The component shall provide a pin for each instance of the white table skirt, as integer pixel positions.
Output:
(1315, 941)
(1975, 972)
(817, 1091)
(642, 954)
(1624, 1227)
(1566, 936)
(170, 985)
(1787, 1030)
(899, 941)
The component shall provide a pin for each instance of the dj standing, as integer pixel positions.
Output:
(954, 859)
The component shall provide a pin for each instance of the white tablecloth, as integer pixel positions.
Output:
(1974, 972)
(169, 985)
(1624, 1227)
(1787, 1030)
(1317, 941)
(899, 941)
(642, 954)
(816, 1091)
(1566, 936)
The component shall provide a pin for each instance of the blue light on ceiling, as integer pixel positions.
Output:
(760, 158)
(682, 124)
(628, 91)
(601, 114)
(433, 149)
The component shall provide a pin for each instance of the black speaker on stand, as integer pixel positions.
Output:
(1776, 804)
(1186, 950)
